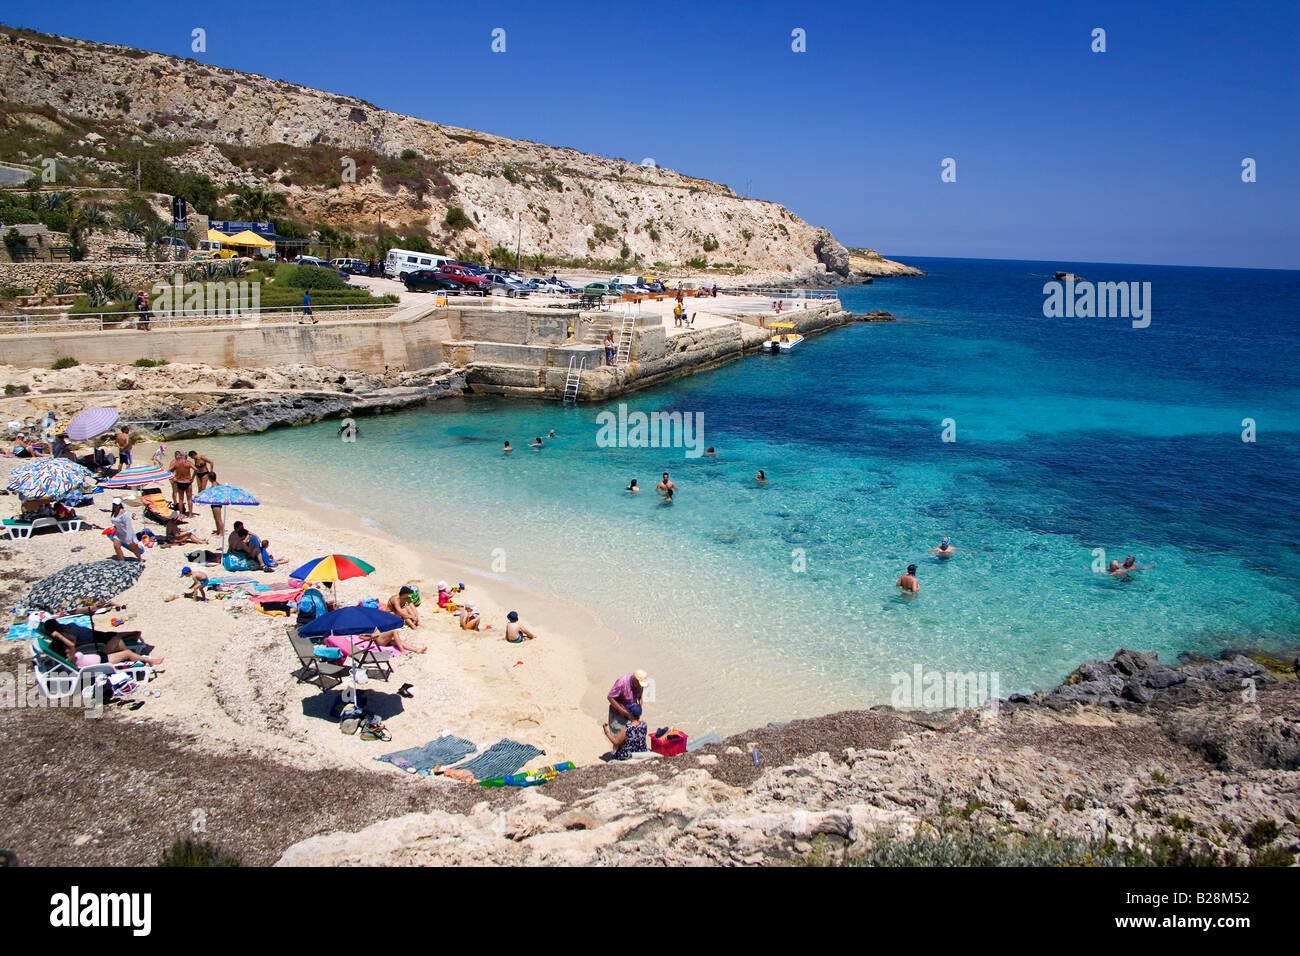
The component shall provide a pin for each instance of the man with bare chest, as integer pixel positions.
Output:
(182, 470)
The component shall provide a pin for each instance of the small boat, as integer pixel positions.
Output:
(785, 338)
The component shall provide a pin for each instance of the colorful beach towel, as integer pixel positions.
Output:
(20, 631)
(435, 753)
(499, 760)
(534, 778)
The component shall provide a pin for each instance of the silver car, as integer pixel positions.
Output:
(499, 282)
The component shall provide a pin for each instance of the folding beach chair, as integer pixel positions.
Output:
(323, 673)
(59, 678)
(374, 660)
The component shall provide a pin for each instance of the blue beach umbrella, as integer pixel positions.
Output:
(91, 423)
(352, 621)
(48, 478)
(223, 496)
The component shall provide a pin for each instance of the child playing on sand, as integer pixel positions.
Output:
(197, 584)
(469, 618)
(516, 633)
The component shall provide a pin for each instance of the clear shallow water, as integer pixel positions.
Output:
(1072, 434)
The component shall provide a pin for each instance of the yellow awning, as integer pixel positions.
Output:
(215, 236)
(249, 238)
(781, 325)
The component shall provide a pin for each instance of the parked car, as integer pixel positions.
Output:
(212, 248)
(472, 267)
(353, 266)
(428, 280)
(174, 247)
(564, 286)
(593, 289)
(547, 287)
(468, 281)
(322, 264)
(500, 282)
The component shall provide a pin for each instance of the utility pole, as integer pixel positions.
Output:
(518, 234)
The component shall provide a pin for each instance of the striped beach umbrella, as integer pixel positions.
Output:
(91, 423)
(137, 476)
(224, 495)
(332, 567)
(77, 584)
(48, 478)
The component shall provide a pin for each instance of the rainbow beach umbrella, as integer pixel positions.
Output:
(137, 476)
(91, 423)
(332, 567)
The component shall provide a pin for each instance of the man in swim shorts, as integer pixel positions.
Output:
(516, 633)
(183, 473)
(125, 440)
(908, 581)
(665, 485)
(945, 548)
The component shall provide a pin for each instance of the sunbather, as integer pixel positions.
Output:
(108, 645)
(402, 604)
(175, 535)
(394, 639)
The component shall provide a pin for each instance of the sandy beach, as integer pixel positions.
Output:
(229, 669)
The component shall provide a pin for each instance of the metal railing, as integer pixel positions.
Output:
(188, 318)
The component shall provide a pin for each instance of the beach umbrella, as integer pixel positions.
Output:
(48, 478)
(77, 584)
(352, 621)
(333, 567)
(91, 423)
(224, 495)
(137, 476)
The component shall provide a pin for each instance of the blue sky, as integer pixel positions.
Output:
(1132, 155)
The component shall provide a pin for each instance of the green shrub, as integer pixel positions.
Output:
(193, 853)
(1261, 834)
(1273, 856)
(710, 244)
(416, 243)
(510, 173)
(456, 219)
(603, 232)
(409, 154)
(699, 262)
(13, 239)
(16, 389)
(148, 362)
(65, 362)
(315, 277)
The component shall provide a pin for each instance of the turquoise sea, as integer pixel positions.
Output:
(757, 602)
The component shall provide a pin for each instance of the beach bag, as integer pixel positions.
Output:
(234, 562)
(372, 603)
(672, 743)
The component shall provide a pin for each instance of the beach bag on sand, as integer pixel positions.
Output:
(670, 744)
(234, 562)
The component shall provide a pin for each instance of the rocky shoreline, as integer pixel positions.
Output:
(1128, 762)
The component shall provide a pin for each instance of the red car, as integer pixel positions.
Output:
(467, 280)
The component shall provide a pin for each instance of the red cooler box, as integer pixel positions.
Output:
(670, 744)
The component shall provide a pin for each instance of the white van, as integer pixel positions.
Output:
(401, 261)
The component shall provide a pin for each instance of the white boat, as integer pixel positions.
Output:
(785, 338)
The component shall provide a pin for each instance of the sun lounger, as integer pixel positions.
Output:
(58, 678)
(17, 530)
(315, 670)
(156, 507)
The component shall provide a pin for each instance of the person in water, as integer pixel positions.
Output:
(665, 485)
(551, 433)
(760, 477)
(908, 581)
(507, 450)
(945, 548)
(537, 442)
(668, 497)
(634, 488)
(710, 452)
(1130, 564)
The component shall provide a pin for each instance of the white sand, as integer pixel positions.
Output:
(228, 671)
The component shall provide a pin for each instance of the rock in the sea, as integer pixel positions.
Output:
(830, 253)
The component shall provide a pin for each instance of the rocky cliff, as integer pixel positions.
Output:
(552, 201)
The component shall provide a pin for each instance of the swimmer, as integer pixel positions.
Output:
(1115, 570)
(634, 488)
(1130, 564)
(760, 477)
(908, 581)
(668, 497)
(710, 452)
(507, 450)
(665, 485)
(945, 549)
(551, 433)
(537, 442)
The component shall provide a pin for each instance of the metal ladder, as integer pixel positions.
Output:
(625, 339)
(572, 379)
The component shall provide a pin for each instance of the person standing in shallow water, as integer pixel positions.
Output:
(945, 549)
(908, 581)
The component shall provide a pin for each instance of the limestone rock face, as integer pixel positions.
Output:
(550, 200)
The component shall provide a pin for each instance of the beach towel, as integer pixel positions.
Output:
(533, 778)
(502, 758)
(444, 750)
